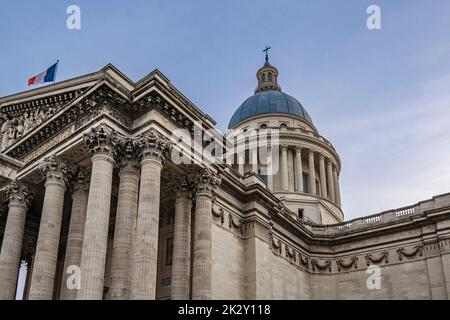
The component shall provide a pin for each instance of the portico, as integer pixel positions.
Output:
(95, 205)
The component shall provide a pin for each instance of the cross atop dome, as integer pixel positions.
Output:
(266, 50)
(267, 75)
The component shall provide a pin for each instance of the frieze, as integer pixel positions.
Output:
(219, 214)
(49, 144)
(321, 265)
(342, 264)
(371, 259)
(402, 252)
(304, 261)
(276, 244)
(233, 224)
(290, 253)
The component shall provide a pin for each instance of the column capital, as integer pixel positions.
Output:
(101, 140)
(284, 147)
(298, 148)
(54, 170)
(184, 190)
(19, 193)
(79, 180)
(152, 146)
(207, 182)
(127, 152)
(321, 156)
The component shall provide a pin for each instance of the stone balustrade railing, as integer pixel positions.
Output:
(365, 222)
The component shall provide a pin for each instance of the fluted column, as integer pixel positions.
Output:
(269, 165)
(127, 204)
(101, 143)
(44, 268)
(298, 170)
(337, 190)
(145, 248)
(20, 197)
(284, 169)
(331, 186)
(312, 173)
(80, 192)
(241, 162)
(323, 179)
(254, 160)
(181, 258)
(202, 263)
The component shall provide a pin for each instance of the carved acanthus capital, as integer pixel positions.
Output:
(183, 190)
(54, 169)
(101, 140)
(19, 193)
(79, 179)
(207, 182)
(152, 146)
(127, 152)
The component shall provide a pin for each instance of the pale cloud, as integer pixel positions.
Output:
(398, 157)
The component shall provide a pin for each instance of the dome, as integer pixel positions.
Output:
(269, 101)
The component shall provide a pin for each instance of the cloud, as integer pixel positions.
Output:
(399, 156)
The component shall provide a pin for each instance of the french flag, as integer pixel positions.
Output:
(48, 75)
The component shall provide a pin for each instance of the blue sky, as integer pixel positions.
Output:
(382, 97)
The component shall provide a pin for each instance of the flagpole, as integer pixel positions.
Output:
(56, 70)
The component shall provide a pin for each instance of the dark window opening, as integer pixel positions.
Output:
(301, 213)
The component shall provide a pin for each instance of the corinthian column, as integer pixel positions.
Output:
(202, 264)
(269, 166)
(145, 248)
(127, 204)
(20, 198)
(80, 189)
(312, 173)
(284, 169)
(299, 169)
(44, 268)
(323, 179)
(331, 181)
(101, 144)
(181, 259)
(337, 190)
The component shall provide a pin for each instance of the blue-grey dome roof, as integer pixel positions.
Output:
(270, 101)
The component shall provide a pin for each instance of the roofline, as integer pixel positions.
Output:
(98, 75)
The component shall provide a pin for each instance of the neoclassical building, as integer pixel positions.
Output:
(107, 193)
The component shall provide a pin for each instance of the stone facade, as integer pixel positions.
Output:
(96, 203)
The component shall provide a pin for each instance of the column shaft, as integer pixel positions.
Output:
(95, 239)
(312, 173)
(323, 180)
(284, 169)
(74, 238)
(127, 203)
(254, 161)
(202, 264)
(269, 166)
(298, 170)
(44, 268)
(202, 269)
(331, 187)
(181, 262)
(145, 251)
(11, 249)
(337, 190)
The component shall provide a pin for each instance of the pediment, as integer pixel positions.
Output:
(32, 118)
